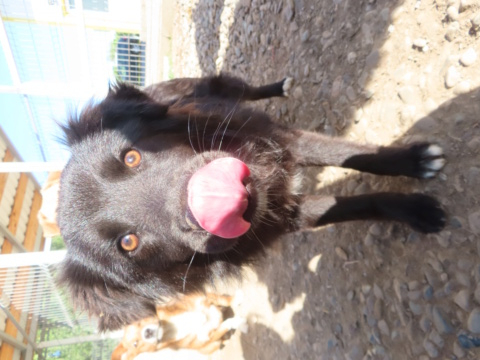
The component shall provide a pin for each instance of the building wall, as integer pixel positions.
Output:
(20, 201)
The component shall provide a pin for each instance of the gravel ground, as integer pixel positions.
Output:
(378, 71)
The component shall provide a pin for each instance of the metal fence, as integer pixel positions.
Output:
(54, 55)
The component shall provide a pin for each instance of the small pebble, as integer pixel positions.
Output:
(452, 77)
(420, 43)
(298, 93)
(468, 341)
(452, 12)
(474, 222)
(468, 57)
(375, 230)
(369, 240)
(436, 338)
(462, 299)
(383, 327)
(417, 309)
(476, 21)
(458, 351)
(476, 294)
(440, 321)
(341, 253)
(305, 36)
(428, 292)
(351, 58)
(452, 31)
(473, 321)
(425, 324)
(430, 349)
(462, 87)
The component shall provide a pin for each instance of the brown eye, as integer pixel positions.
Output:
(132, 158)
(129, 242)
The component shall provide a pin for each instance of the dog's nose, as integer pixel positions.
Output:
(218, 198)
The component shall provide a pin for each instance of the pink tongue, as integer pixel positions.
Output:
(217, 197)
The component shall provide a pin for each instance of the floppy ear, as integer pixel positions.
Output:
(126, 102)
(123, 103)
(115, 307)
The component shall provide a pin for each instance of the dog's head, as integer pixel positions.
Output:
(157, 200)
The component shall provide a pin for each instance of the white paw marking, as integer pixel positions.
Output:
(287, 85)
(434, 150)
(429, 174)
(436, 164)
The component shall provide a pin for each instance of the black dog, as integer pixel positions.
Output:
(172, 187)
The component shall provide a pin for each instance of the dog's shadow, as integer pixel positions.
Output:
(354, 273)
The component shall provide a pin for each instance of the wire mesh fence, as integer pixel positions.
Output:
(54, 56)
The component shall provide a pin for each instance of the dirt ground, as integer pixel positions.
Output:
(378, 71)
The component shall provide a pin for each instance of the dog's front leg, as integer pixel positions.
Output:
(421, 160)
(421, 212)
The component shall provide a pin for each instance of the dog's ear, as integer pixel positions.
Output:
(125, 102)
(115, 306)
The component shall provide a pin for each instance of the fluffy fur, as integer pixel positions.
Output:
(178, 127)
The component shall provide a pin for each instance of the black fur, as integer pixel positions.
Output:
(178, 127)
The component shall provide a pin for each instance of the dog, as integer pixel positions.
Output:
(196, 322)
(172, 187)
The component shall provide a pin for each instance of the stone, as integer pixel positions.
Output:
(408, 95)
(452, 12)
(375, 230)
(305, 36)
(351, 95)
(452, 31)
(417, 309)
(420, 43)
(468, 57)
(383, 327)
(473, 322)
(351, 58)
(341, 253)
(458, 351)
(452, 77)
(442, 324)
(430, 348)
(476, 21)
(356, 353)
(436, 338)
(474, 222)
(476, 294)
(298, 93)
(462, 87)
(428, 293)
(425, 324)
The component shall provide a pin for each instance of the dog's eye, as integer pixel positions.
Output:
(129, 242)
(132, 158)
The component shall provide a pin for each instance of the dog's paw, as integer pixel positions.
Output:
(425, 214)
(287, 86)
(429, 160)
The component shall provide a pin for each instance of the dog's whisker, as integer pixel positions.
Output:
(198, 136)
(189, 135)
(186, 273)
(226, 126)
(219, 127)
(253, 232)
(236, 133)
(204, 130)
